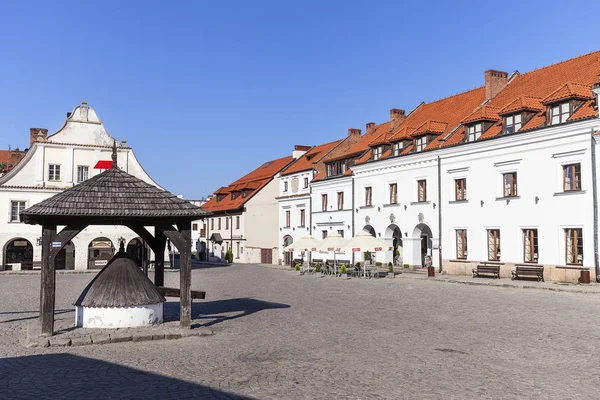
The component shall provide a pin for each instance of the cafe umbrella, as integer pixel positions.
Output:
(334, 242)
(306, 243)
(364, 241)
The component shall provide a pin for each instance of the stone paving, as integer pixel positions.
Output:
(282, 336)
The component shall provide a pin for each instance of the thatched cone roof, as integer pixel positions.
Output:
(113, 194)
(121, 283)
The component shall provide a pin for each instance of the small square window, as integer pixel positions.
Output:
(421, 143)
(15, 210)
(509, 180)
(474, 132)
(513, 123)
(83, 173)
(54, 172)
(571, 177)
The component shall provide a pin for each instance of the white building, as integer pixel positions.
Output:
(53, 163)
(504, 174)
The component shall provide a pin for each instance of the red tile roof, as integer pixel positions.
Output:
(11, 158)
(430, 127)
(569, 90)
(523, 103)
(483, 113)
(310, 158)
(250, 184)
(363, 144)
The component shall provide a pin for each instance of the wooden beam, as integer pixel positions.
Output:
(142, 232)
(159, 258)
(64, 237)
(185, 275)
(48, 280)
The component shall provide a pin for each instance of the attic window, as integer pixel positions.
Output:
(397, 148)
(421, 143)
(560, 113)
(233, 195)
(220, 197)
(474, 132)
(267, 165)
(513, 123)
(244, 194)
(377, 152)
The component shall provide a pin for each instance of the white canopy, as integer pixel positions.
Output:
(334, 242)
(364, 241)
(305, 243)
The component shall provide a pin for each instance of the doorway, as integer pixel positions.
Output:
(65, 259)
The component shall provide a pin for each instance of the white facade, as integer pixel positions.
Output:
(50, 166)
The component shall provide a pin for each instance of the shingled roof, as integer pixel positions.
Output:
(113, 194)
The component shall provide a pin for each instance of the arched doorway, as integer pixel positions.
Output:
(65, 259)
(394, 234)
(423, 232)
(19, 251)
(370, 229)
(136, 251)
(288, 255)
(100, 251)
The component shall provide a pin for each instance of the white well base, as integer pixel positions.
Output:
(118, 317)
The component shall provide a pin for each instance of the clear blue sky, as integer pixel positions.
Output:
(205, 91)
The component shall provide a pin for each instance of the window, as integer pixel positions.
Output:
(219, 223)
(368, 196)
(574, 246)
(340, 200)
(560, 113)
(212, 224)
(397, 148)
(473, 132)
(513, 123)
(324, 202)
(421, 143)
(377, 151)
(305, 183)
(461, 244)
(194, 227)
(285, 186)
(323, 234)
(302, 218)
(15, 209)
(510, 184)
(287, 219)
(571, 177)
(530, 245)
(83, 173)
(226, 222)
(341, 232)
(337, 168)
(422, 190)
(393, 193)
(460, 189)
(237, 222)
(54, 172)
(493, 237)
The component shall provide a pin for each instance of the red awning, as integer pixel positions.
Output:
(103, 164)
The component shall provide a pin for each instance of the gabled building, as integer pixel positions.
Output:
(53, 163)
(294, 193)
(246, 215)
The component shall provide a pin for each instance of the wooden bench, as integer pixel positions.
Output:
(528, 271)
(487, 269)
(176, 292)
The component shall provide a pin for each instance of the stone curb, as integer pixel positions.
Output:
(60, 272)
(33, 341)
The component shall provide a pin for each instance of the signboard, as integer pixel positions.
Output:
(290, 249)
(356, 249)
(313, 249)
(56, 244)
(20, 243)
(377, 248)
(101, 244)
(330, 249)
(100, 263)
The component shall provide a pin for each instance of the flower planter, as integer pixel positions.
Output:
(391, 275)
(318, 274)
(344, 276)
(298, 272)
(431, 271)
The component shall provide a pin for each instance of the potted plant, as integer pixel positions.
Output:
(390, 270)
(343, 272)
(297, 269)
(406, 266)
(318, 270)
(229, 256)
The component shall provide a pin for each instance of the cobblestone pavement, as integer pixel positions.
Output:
(282, 336)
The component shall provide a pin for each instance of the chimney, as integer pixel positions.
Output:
(495, 81)
(397, 117)
(299, 150)
(354, 132)
(37, 135)
(370, 127)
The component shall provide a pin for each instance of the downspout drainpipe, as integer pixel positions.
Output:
(439, 165)
(353, 214)
(595, 207)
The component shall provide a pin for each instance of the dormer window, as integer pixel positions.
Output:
(421, 143)
(397, 148)
(220, 197)
(474, 132)
(513, 123)
(233, 195)
(377, 152)
(560, 113)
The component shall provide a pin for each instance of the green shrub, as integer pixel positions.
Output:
(406, 266)
(297, 267)
(343, 269)
(378, 263)
(390, 267)
(367, 256)
(193, 254)
(229, 255)
(318, 268)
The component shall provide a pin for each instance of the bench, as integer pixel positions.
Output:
(176, 292)
(528, 271)
(487, 269)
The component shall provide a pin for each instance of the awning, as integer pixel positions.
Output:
(103, 164)
(216, 237)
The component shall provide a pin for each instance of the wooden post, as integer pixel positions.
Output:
(185, 275)
(159, 257)
(48, 280)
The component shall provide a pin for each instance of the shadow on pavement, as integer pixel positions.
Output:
(214, 312)
(37, 313)
(65, 376)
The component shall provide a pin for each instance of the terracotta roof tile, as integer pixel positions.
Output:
(524, 103)
(250, 184)
(308, 159)
(430, 127)
(483, 113)
(363, 144)
(569, 90)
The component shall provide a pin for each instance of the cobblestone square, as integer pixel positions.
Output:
(282, 336)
